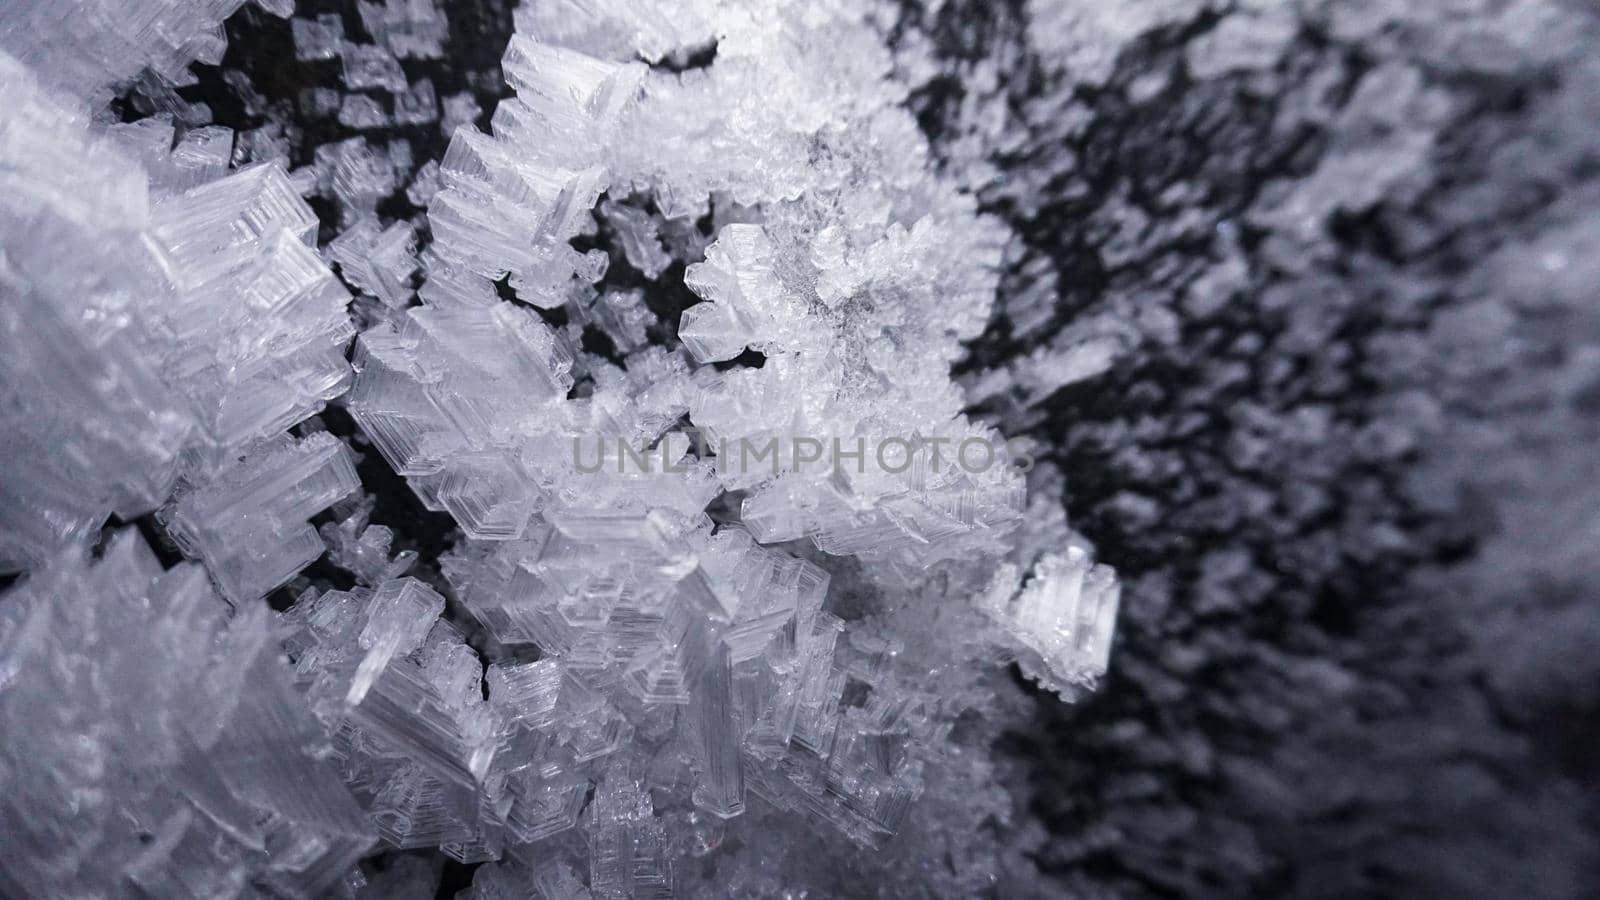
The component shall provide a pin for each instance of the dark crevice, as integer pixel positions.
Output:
(749, 359)
(685, 59)
(416, 528)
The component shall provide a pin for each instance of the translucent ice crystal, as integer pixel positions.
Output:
(247, 519)
(1061, 618)
(107, 41)
(419, 105)
(367, 66)
(90, 427)
(319, 38)
(360, 112)
(361, 548)
(409, 28)
(256, 329)
(746, 305)
(400, 690)
(377, 262)
(623, 658)
(511, 203)
(357, 175)
(627, 844)
(155, 743)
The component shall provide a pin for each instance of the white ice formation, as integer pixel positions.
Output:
(611, 668)
(88, 47)
(221, 326)
(155, 743)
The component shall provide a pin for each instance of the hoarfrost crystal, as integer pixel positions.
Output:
(155, 743)
(614, 668)
(90, 428)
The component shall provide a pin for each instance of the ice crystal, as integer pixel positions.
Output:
(155, 743)
(91, 430)
(692, 229)
(108, 41)
(1062, 616)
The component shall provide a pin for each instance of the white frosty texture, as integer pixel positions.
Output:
(256, 326)
(1062, 617)
(658, 672)
(678, 656)
(90, 427)
(88, 46)
(182, 334)
(858, 285)
(155, 745)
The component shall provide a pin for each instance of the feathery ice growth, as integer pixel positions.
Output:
(305, 571)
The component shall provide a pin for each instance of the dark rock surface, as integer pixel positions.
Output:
(1339, 462)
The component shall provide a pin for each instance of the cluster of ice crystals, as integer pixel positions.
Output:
(709, 653)
(155, 744)
(91, 430)
(375, 256)
(102, 42)
(1062, 618)
(249, 288)
(240, 330)
(711, 630)
(221, 327)
(628, 654)
(840, 280)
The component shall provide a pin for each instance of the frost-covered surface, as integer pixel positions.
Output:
(155, 745)
(1286, 304)
(89, 47)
